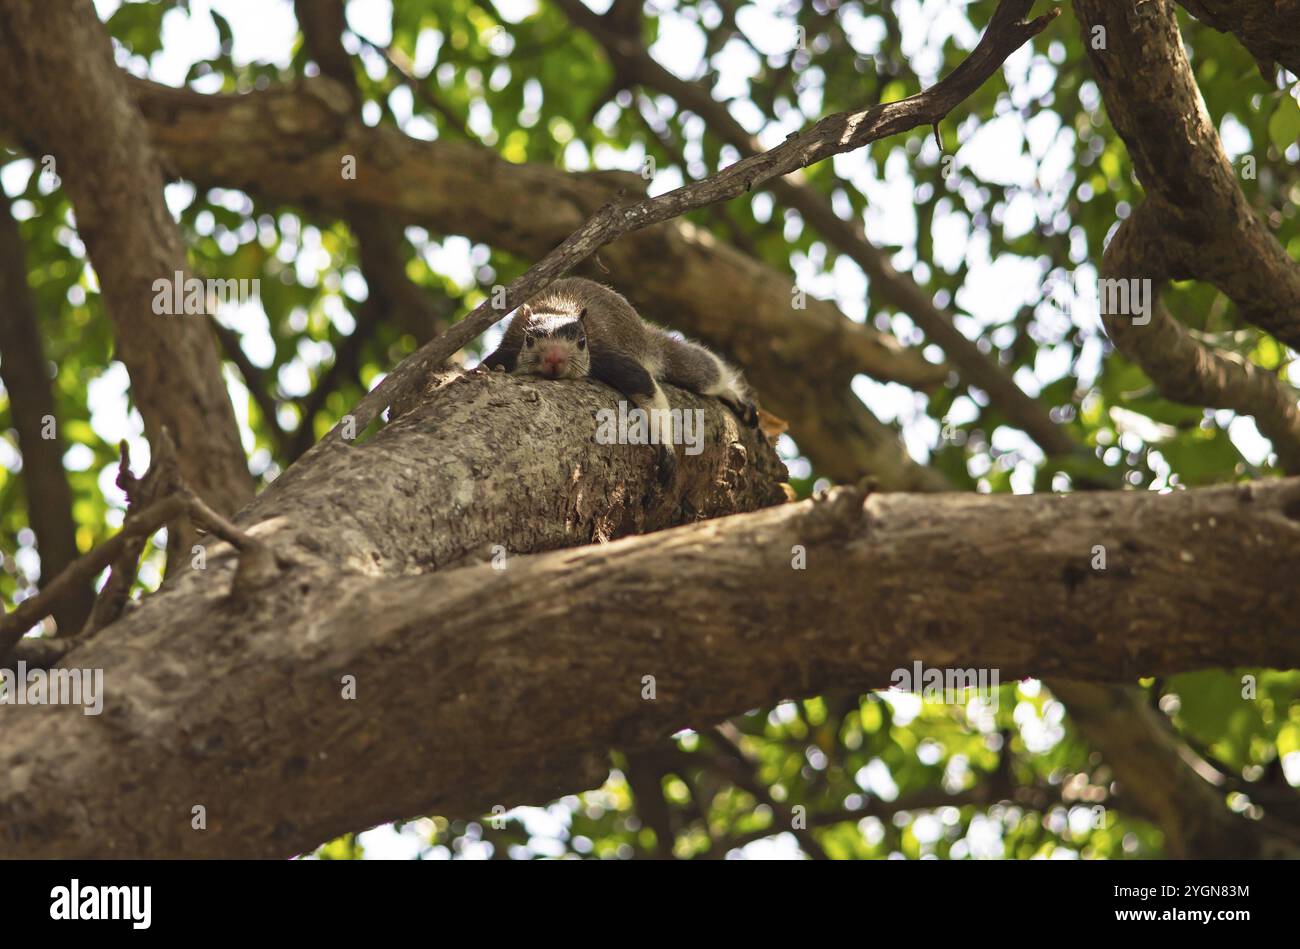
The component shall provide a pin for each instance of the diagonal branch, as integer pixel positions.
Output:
(1154, 776)
(740, 768)
(84, 569)
(258, 382)
(1195, 222)
(159, 498)
(391, 293)
(632, 61)
(445, 660)
(1254, 392)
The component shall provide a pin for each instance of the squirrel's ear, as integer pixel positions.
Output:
(582, 315)
(525, 312)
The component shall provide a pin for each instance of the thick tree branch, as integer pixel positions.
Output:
(37, 652)
(65, 96)
(633, 64)
(159, 498)
(518, 454)
(831, 136)
(444, 663)
(1195, 222)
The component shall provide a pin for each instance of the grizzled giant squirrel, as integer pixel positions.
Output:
(578, 328)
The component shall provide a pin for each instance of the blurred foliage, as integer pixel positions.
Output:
(875, 775)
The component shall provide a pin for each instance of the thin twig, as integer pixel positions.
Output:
(159, 498)
(85, 568)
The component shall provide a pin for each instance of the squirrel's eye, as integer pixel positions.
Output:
(582, 344)
(528, 341)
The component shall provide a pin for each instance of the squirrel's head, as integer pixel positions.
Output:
(555, 346)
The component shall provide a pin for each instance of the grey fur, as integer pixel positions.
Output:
(607, 326)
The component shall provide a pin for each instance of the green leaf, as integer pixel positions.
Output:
(1284, 126)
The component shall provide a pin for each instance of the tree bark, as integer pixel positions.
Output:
(1267, 28)
(480, 686)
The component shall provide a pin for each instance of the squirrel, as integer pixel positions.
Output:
(578, 328)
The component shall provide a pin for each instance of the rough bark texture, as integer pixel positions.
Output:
(479, 686)
(65, 96)
(1114, 720)
(833, 135)
(376, 540)
(489, 459)
(1270, 29)
(300, 136)
(194, 674)
(1195, 222)
(25, 371)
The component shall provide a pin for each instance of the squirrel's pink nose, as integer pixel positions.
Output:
(553, 358)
